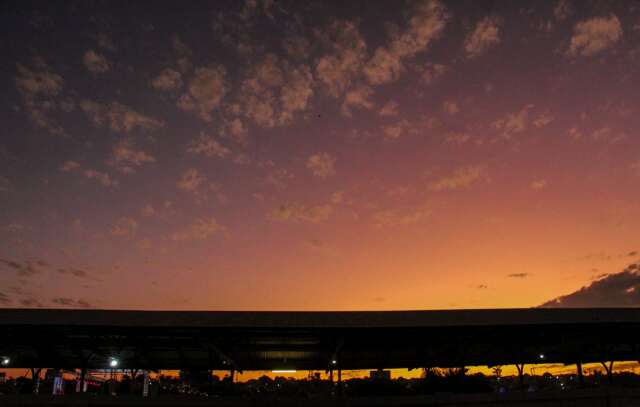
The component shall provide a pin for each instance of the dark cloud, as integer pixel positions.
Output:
(30, 303)
(73, 272)
(518, 275)
(29, 268)
(11, 264)
(23, 269)
(5, 299)
(613, 290)
(602, 256)
(19, 290)
(70, 302)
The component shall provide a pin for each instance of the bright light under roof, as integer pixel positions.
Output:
(284, 371)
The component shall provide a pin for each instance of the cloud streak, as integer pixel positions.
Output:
(461, 178)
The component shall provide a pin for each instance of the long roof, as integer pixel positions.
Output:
(316, 340)
(319, 319)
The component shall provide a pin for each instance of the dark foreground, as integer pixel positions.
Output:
(609, 397)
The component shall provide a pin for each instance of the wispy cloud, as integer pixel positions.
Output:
(485, 34)
(96, 62)
(402, 217)
(199, 230)
(124, 227)
(167, 80)
(208, 146)
(118, 117)
(592, 36)
(425, 25)
(40, 88)
(321, 164)
(205, 91)
(538, 185)
(294, 212)
(126, 158)
(71, 303)
(102, 177)
(461, 178)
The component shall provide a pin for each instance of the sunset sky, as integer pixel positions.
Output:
(294, 155)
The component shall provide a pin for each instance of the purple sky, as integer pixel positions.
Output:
(317, 155)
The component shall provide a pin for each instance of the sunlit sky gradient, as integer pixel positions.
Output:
(316, 155)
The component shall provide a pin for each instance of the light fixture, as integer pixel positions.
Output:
(113, 362)
(5, 361)
(542, 356)
(334, 362)
(284, 371)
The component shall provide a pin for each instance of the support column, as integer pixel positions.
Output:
(145, 383)
(35, 379)
(520, 368)
(609, 370)
(331, 375)
(84, 362)
(112, 383)
(340, 381)
(580, 375)
(132, 382)
(83, 373)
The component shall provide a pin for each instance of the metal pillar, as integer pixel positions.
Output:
(35, 379)
(609, 370)
(580, 375)
(145, 383)
(83, 373)
(520, 368)
(112, 382)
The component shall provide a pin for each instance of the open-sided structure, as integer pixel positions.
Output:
(240, 341)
